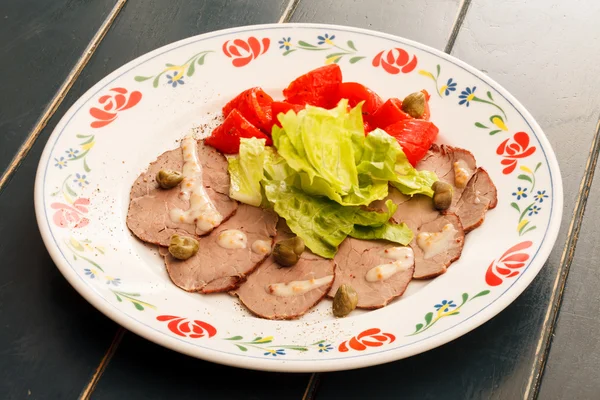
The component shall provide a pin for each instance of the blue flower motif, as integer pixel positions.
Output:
(534, 210)
(326, 39)
(450, 87)
(467, 95)
(113, 281)
(90, 272)
(520, 193)
(450, 305)
(72, 153)
(540, 196)
(324, 347)
(175, 82)
(285, 43)
(60, 163)
(275, 353)
(81, 180)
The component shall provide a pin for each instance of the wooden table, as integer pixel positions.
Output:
(54, 345)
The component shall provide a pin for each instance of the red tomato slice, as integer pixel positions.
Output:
(283, 107)
(317, 87)
(415, 136)
(255, 105)
(389, 113)
(226, 137)
(355, 93)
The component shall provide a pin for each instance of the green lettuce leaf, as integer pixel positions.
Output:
(409, 181)
(246, 172)
(399, 233)
(323, 224)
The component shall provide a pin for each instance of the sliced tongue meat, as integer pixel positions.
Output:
(265, 292)
(479, 196)
(474, 191)
(422, 218)
(217, 269)
(148, 215)
(355, 258)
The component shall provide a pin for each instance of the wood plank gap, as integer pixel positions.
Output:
(460, 17)
(544, 344)
(289, 11)
(112, 349)
(311, 389)
(60, 94)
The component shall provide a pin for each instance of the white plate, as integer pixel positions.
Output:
(137, 112)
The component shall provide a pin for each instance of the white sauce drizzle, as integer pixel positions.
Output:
(404, 259)
(462, 173)
(202, 211)
(232, 239)
(261, 246)
(297, 288)
(434, 243)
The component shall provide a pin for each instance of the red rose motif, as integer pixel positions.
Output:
(71, 216)
(395, 61)
(508, 265)
(243, 51)
(118, 100)
(512, 149)
(369, 338)
(186, 328)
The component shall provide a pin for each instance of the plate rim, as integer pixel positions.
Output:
(452, 333)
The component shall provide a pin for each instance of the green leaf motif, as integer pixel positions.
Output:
(335, 55)
(242, 348)
(489, 95)
(85, 166)
(285, 53)
(537, 167)
(319, 342)
(304, 44)
(418, 327)
(69, 190)
(515, 206)
(524, 177)
(482, 293)
(118, 297)
(351, 45)
(465, 297)
(201, 59)
(454, 313)
(528, 230)
(138, 306)
(257, 338)
(438, 70)
(494, 132)
(480, 125)
(191, 69)
(428, 317)
(354, 60)
(139, 79)
(155, 82)
(297, 348)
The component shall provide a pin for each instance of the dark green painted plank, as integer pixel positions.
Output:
(40, 42)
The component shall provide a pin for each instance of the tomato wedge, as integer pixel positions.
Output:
(283, 107)
(317, 87)
(226, 137)
(355, 93)
(389, 113)
(415, 136)
(255, 105)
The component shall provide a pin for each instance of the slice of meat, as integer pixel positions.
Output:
(420, 216)
(479, 196)
(472, 201)
(148, 214)
(217, 269)
(354, 259)
(255, 293)
(442, 159)
(426, 268)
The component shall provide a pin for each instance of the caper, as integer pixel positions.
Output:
(168, 179)
(414, 104)
(442, 195)
(344, 301)
(183, 247)
(287, 252)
